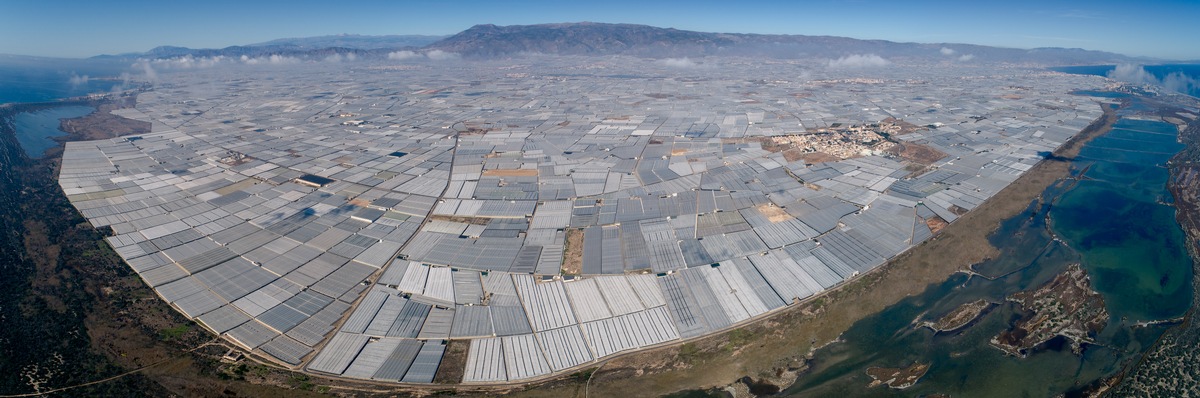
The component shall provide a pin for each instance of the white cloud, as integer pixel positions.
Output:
(77, 80)
(1176, 81)
(859, 61)
(349, 57)
(947, 51)
(1132, 74)
(439, 55)
(678, 62)
(147, 70)
(271, 60)
(966, 57)
(188, 62)
(404, 55)
(1136, 74)
(151, 67)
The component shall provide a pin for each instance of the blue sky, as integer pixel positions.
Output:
(1162, 29)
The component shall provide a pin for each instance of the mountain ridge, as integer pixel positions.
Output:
(590, 38)
(593, 38)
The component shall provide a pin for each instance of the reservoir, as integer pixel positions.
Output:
(36, 130)
(1113, 216)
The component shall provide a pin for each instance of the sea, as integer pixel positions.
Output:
(34, 79)
(1184, 78)
(1114, 217)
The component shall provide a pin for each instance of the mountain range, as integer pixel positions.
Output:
(587, 38)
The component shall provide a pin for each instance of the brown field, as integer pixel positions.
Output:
(936, 224)
(573, 253)
(454, 363)
(774, 213)
(816, 157)
(238, 186)
(917, 153)
(905, 127)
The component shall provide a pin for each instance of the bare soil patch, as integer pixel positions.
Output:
(454, 363)
(510, 173)
(573, 253)
(774, 213)
(917, 153)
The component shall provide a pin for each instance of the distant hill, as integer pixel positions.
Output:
(164, 52)
(587, 38)
(358, 42)
(304, 47)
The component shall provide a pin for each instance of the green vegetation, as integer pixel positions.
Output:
(173, 333)
(236, 372)
(583, 375)
(739, 337)
(301, 382)
(688, 352)
(55, 272)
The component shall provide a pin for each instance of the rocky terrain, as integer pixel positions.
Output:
(1066, 306)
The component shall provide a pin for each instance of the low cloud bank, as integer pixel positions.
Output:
(859, 61)
(1138, 74)
(77, 80)
(678, 62)
(435, 55)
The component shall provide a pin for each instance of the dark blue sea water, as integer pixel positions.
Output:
(31, 79)
(28, 79)
(1184, 78)
(1113, 220)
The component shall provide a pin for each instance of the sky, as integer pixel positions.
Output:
(1154, 28)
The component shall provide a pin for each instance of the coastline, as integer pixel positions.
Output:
(766, 348)
(780, 343)
(61, 279)
(1154, 374)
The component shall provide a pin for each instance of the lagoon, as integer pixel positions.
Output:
(35, 130)
(1113, 217)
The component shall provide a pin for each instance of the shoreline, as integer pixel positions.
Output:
(676, 366)
(100, 123)
(628, 374)
(820, 319)
(1180, 344)
(764, 345)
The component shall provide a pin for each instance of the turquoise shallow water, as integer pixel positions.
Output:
(1119, 221)
(35, 130)
(1112, 220)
